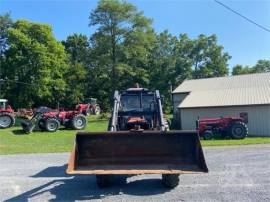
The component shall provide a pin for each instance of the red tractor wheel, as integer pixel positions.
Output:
(78, 122)
(6, 120)
(52, 125)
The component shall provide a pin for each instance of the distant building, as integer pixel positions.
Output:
(244, 95)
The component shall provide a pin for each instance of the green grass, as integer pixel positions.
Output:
(14, 141)
(246, 141)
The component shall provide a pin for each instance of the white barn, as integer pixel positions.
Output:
(243, 95)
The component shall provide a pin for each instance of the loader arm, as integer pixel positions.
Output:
(160, 112)
(116, 105)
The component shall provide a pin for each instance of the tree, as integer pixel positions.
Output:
(5, 23)
(77, 46)
(209, 59)
(169, 65)
(75, 77)
(34, 57)
(119, 49)
(239, 69)
(122, 39)
(174, 59)
(262, 66)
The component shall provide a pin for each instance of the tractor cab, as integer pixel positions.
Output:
(91, 101)
(3, 103)
(138, 109)
(4, 107)
(89, 106)
(136, 100)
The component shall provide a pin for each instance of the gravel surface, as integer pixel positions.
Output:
(237, 173)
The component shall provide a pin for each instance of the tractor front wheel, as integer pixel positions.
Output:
(170, 180)
(78, 122)
(52, 125)
(207, 135)
(6, 120)
(238, 130)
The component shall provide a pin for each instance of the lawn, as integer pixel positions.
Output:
(13, 141)
(248, 140)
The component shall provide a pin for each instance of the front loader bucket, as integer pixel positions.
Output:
(128, 152)
(27, 126)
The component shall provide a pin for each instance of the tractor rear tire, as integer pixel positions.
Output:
(52, 125)
(170, 180)
(207, 135)
(6, 120)
(78, 122)
(104, 180)
(238, 130)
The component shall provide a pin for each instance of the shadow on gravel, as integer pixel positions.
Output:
(72, 188)
(54, 171)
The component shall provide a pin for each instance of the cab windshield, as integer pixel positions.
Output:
(2, 105)
(137, 102)
(91, 101)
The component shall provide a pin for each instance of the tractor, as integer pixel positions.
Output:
(234, 127)
(50, 120)
(138, 141)
(89, 106)
(7, 115)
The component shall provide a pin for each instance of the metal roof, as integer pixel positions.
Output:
(250, 89)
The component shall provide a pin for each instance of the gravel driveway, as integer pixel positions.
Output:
(237, 173)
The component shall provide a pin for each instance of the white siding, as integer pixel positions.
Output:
(177, 99)
(258, 117)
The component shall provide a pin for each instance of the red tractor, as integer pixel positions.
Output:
(7, 115)
(234, 127)
(89, 106)
(50, 120)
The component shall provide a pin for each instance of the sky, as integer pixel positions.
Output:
(244, 41)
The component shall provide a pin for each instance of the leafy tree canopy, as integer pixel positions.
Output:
(34, 56)
(260, 67)
(123, 39)
(124, 50)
